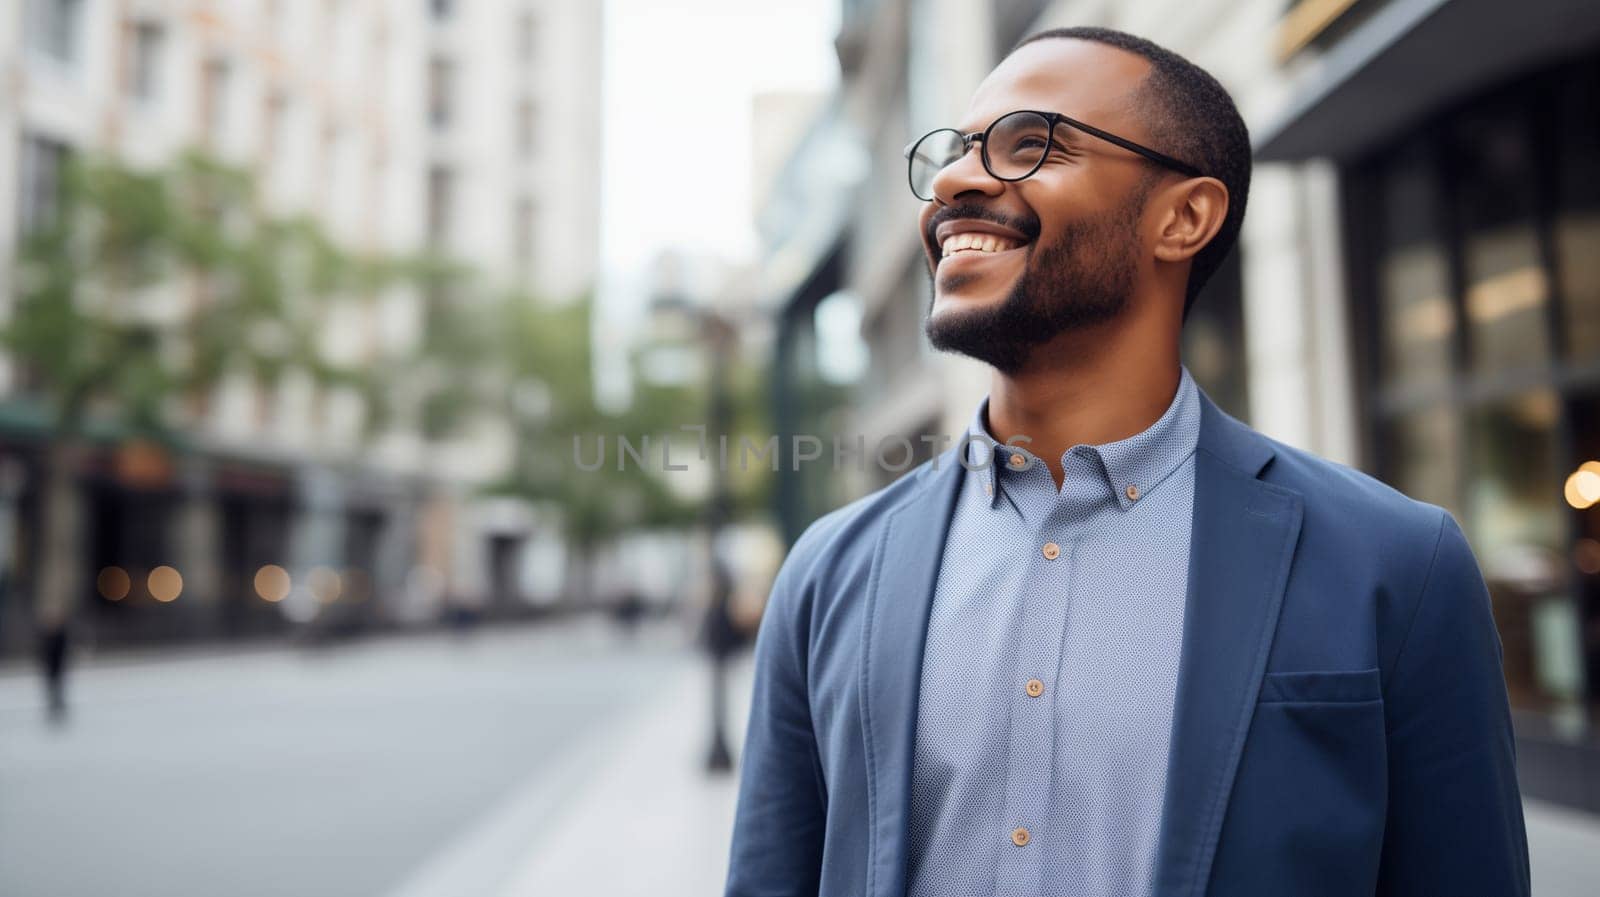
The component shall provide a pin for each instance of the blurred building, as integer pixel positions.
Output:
(511, 130)
(777, 120)
(1414, 293)
(513, 138)
(398, 128)
(1462, 213)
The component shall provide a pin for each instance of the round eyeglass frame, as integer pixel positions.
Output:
(1052, 119)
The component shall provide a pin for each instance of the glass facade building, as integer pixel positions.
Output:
(1473, 242)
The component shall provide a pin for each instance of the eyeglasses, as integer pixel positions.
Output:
(1014, 146)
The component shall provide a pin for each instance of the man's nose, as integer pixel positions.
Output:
(964, 175)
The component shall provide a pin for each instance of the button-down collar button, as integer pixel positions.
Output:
(1035, 688)
(1133, 492)
(1051, 551)
(1018, 460)
(1019, 836)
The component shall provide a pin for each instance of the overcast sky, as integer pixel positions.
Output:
(679, 79)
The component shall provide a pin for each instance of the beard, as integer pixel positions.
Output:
(1083, 278)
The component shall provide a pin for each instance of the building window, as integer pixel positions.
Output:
(1422, 450)
(142, 80)
(1577, 224)
(54, 28)
(39, 198)
(213, 99)
(331, 144)
(1494, 193)
(441, 87)
(527, 37)
(527, 119)
(1418, 322)
(441, 196)
(274, 113)
(523, 236)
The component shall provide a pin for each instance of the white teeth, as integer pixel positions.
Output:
(976, 242)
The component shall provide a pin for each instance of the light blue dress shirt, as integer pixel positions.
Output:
(1045, 713)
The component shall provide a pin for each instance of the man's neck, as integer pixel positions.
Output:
(1087, 387)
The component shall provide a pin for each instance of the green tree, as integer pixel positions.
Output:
(551, 400)
(140, 293)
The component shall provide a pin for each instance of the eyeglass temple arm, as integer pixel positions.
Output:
(1152, 155)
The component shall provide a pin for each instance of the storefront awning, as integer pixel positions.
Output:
(1413, 57)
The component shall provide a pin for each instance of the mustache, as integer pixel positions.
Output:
(1028, 227)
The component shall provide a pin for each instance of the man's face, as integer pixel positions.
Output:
(1015, 264)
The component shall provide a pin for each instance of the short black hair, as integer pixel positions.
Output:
(1192, 118)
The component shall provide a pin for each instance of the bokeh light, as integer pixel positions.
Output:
(165, 584)
(113, 583)
(1583, 486)
(272, 583)
(325, 584)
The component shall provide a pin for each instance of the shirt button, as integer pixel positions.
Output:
(1133, 492)
(1035, 688)
(1019, 836)
(1051, 551)
(1018, 461)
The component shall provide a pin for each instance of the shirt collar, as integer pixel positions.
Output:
(1129, 468)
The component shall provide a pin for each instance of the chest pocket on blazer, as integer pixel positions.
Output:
(1334, 687)
(1311, 783)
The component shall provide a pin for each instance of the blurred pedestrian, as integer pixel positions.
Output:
(54, 643)
(1117, 642)
(12, 478)
(720, 638)
(629, 611)
(719, 635)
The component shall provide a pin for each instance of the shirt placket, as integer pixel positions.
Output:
(1047, 588)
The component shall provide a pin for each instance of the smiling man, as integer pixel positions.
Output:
(1116, 642)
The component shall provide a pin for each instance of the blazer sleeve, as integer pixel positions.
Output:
(779, 822)
(1454, 823)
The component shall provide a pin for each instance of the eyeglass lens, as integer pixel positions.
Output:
(1014, 146)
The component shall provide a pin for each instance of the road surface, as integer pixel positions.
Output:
(336, 773)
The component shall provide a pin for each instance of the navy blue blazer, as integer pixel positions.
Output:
(1341, 724)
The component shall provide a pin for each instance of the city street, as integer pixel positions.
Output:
(561, 761)
(348, 772)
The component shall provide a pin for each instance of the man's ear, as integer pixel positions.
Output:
(1192, 213)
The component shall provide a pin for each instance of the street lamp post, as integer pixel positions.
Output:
(721, 637)
(718, 636)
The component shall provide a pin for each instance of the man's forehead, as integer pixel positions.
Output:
(1087, 80)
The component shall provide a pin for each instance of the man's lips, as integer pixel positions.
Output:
(974, 226)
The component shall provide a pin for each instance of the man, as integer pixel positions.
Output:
(1116, 642)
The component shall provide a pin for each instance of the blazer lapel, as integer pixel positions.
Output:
(1244, 535)
(899, 598)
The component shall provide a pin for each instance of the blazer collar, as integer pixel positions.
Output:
(1243, 537)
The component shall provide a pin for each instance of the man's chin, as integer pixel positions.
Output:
(979, 333)
(959, 295)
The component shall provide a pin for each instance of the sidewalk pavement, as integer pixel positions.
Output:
(1564, 850)
(631, 814)
(652, 823)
